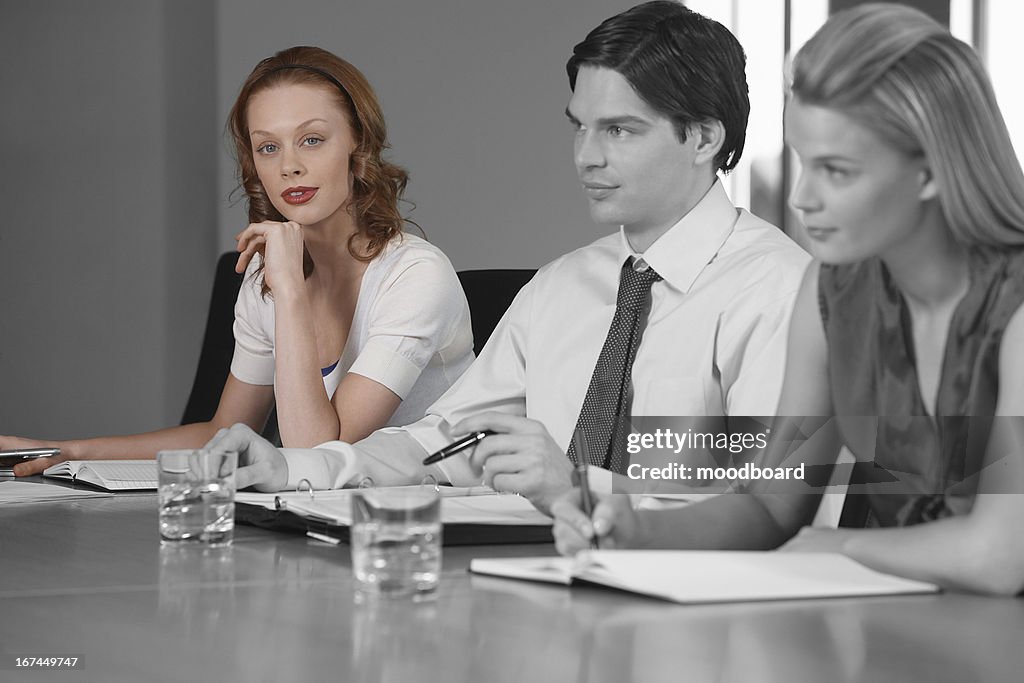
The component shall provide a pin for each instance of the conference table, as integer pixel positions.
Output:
(89, 578)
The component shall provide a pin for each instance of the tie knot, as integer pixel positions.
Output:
(635, 285)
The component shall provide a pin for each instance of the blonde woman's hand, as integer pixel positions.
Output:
(281, 247)
(615, 524)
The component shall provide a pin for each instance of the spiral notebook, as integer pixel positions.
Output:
(110, 475)
(698, 576)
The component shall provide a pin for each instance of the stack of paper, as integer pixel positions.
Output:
(33, 492)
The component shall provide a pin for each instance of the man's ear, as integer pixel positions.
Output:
(710, 136)
(929, 188)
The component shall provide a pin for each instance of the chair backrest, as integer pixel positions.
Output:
(218, 349)
(218, 343)
(489, 293)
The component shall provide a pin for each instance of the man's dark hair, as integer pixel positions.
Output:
(683, 65)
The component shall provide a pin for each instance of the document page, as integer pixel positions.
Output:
(693, 576)
(35, 492)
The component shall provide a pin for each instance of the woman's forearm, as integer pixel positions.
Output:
(731, 521)
(139, 446)
(305, 414)
(958, 553)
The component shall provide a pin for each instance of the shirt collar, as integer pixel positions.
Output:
(687, 247)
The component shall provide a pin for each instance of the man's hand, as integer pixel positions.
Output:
(260, 464)
(521, 457)
(615, 524)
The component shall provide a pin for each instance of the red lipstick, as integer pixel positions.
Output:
(299, 195)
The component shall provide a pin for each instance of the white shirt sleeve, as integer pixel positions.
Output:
(327, 466)
(417, 314)
(253, 360)
(389, 457)
(752, 354)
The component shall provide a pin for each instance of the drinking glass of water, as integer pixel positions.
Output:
(396, 540)
(197, 496)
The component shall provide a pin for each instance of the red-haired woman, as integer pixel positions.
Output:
(343, 320)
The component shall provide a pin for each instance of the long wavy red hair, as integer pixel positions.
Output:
(377, 184)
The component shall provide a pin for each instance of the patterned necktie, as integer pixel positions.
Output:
(609, 394)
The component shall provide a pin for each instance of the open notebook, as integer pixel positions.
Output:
(697, 576)
(112, 475)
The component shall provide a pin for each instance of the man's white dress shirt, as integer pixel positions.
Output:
(714, 344)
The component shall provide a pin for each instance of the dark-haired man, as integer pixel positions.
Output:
(683, 311)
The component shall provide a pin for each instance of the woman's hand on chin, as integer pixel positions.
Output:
(281, 246)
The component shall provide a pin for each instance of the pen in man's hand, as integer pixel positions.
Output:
(457, 446)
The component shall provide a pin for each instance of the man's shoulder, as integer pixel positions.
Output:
(596, 254)
(760, 260)
(755, 239)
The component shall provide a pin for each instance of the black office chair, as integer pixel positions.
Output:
(489, 293)
(218, 344)
(218, 348)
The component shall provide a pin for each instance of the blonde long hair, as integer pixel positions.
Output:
(901, 74)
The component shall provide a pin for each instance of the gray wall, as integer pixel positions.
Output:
(108, 183)
(474, 95)
(115, 174)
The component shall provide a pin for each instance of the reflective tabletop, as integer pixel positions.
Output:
(89, 578)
